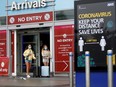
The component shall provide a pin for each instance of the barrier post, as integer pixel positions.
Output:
(71, 69)
(110, 68)
(87, 68)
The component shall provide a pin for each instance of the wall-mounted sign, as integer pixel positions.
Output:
(3, 46)
(31, 4)
(3, 43)
(95, 31)
(31, 18)
(4, 62)
(64, 43)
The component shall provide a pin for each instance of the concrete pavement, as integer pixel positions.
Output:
(57, 81)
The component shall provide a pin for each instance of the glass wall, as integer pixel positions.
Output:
(3, 20)
(64, 14)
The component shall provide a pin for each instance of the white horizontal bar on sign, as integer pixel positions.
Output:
(50, 0)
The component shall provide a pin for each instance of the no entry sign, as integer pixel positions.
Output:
(4, 62)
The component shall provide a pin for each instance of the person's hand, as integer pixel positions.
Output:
(34, 58)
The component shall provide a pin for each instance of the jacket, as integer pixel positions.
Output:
(28, 54)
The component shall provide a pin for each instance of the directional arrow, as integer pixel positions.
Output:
(93, 43)
(65, 66)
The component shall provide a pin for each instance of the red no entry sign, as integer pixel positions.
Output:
(4, 62)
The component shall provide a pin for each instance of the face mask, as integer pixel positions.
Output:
(45, 48)
(29, 47)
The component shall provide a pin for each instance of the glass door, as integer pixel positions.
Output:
(23, 41)
(29, 39)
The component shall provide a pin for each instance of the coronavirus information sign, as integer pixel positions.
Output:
(94, 31)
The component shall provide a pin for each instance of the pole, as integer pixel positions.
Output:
(52, 41)
(8, 41)
(87, 68)
(110, 68)
(71, 69)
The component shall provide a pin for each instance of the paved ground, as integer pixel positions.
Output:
(57, 81)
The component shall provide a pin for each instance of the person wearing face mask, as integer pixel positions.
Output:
(45, 52)
(28, 55)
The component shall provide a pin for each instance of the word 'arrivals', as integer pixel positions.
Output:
(29, 4)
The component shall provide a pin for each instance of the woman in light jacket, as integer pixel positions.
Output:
(45, 52)
(28, 55)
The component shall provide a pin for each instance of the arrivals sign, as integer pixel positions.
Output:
(31, 18)
(31, 4)
(95, 31)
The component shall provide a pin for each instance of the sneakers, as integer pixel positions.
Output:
(28, 76)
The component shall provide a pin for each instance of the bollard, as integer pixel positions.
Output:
(87, 68)
(110, 68)
(71, 69)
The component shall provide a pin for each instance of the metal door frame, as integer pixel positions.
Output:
(19, 46)
(20, 35)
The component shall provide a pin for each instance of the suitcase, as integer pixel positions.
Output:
(36, 72)
(45, 71)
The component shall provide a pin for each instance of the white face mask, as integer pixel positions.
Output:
(45, 48)
(29, 47)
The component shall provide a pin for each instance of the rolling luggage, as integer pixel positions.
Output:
(45, 71)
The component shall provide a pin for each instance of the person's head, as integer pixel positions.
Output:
(102, 37)
(45, 47)
(29, 46)
(80, 38)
